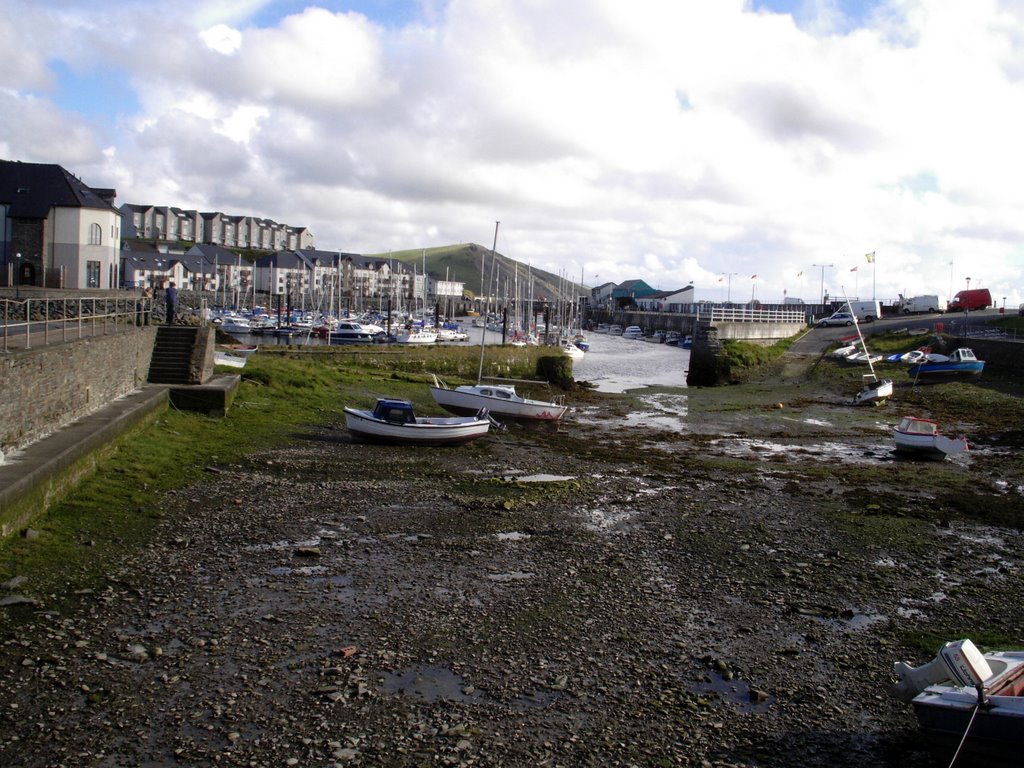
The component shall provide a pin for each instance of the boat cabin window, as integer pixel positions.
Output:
(394, 414)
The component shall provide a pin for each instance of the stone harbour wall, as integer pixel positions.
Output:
(49, 387)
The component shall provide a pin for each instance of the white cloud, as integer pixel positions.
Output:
(222, 39)
(656, 139)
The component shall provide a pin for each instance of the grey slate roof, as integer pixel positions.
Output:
(33, 189)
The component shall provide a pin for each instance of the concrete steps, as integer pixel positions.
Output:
(172, 354)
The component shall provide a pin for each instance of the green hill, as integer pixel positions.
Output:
(462, 263)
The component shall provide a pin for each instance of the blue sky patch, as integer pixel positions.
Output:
(99, 96)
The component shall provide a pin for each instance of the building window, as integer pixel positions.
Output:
(92, 272)
(95, 234)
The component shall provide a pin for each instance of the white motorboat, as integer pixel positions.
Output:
(499, 400)
(235, 324)
(615, 330)
(602, 328)
(349, 332)
(969, 705)
(633, 332)
(451, 334)
(416, 337)
(572, 351)
(922, 437)
(394, 421)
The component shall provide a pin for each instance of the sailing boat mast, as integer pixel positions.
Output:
(487, 304)
(860, 336)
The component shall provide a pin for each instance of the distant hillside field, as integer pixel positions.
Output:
(462, 263)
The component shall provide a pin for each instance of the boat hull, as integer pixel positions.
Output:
(469, 400)
(874, 393)
(363, 425)
(947, 369)
(416, 337)
(996, 737)
(929, 446)
(921, 437)
(349, 338)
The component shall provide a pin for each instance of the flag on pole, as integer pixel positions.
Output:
(753, 277)
(854, 269)
(870, 257)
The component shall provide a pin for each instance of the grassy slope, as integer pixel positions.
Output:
(462, 263)
(285, 393)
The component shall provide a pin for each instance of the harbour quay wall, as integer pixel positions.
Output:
(49, 387)
(758, 333)
(997, 353)
(763, 330)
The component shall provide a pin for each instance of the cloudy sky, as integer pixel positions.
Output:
(669, 140)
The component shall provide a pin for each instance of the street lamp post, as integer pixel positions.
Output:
(728, 285)
(822, 294)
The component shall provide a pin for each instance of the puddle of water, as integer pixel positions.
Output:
(844, 453)
(513, 536)
(735, 691)
(650, 419)
(538, 478)
(430, 684)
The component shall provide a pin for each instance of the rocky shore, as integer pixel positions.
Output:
(619, 593)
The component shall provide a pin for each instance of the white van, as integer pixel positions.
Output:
(915, 304)
(864, 311)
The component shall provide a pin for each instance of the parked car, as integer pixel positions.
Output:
(836, 318)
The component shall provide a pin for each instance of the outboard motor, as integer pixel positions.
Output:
(959, 662)
(484, 413)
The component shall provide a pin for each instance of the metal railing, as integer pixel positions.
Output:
(744, 315)
(41, 320)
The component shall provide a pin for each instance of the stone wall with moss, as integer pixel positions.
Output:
(49, 387)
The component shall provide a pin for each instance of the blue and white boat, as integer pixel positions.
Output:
(961, 363)
(394, 421)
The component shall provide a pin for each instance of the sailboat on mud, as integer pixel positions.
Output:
(875, 391)
(499, 399)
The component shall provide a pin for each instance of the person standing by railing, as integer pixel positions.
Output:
(172, 302)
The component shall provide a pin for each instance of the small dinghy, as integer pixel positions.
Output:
(394, 421)
(922, 437)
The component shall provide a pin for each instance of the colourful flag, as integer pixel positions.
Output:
(870, 257)
(854, 269)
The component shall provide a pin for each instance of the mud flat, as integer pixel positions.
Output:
(727, 583)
